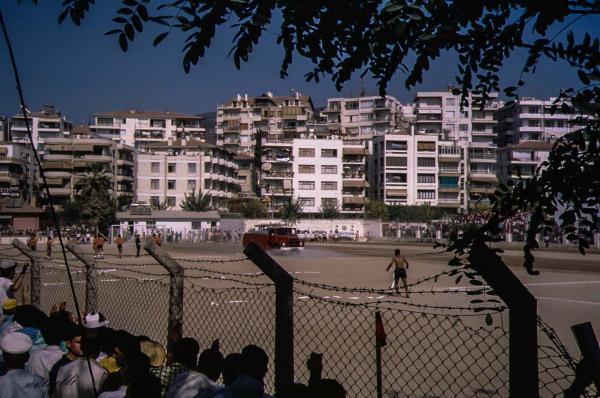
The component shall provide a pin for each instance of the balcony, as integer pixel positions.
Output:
(354, 200)
(60, 191)
(124, 178)
(10, 159)
(448, 188)
(125, 162)
(355, 184)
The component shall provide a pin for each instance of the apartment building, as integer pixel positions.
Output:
(169, 170)
(531, 119)
(44, 124)
(277, 118)
(4, 129)
(139, 128)
(363, 116)
(452, 176)
(18, 174)
(523, 158)
(403, 169)
(67, 160)
(440, 113)
(246, 174)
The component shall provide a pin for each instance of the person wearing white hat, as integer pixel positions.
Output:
(17, 382)
(7, 285)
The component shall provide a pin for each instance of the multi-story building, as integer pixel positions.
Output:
(4, 129)
(169, 170)
(404, 169)
(139, 128)
(523, 158)
(246, 174)
(242, 119)
(67, 160)
(44, 124)
(363, 116)
(317, 175)
(452, 175)
(18, 173)
(531, 119)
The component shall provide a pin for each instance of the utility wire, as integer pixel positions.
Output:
(43, 175)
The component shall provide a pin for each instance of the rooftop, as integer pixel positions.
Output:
(136, 113)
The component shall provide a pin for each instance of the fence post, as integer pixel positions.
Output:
(523, 344)
(91, 278)
(35, 281)
(176, 279)
(284, 313)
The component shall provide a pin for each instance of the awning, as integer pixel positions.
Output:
(2, 217)
(3, 150)
(355, 184)
(353, 200)
(484, 178)
(395, 192)
(354, 151)
(83, 148)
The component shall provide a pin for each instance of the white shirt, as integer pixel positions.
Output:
(5, 285)
(19, 383)
(42, 360)
(73, 379)
(193, 384)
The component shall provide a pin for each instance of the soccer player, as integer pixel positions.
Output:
(400, 264)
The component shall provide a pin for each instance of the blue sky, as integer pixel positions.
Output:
(81, 71)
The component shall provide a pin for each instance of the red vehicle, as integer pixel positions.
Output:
(274, 237)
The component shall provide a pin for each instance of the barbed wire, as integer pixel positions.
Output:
(211, 261)
(553, 336)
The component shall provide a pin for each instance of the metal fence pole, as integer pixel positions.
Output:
(35, 281)
(523, 350)
(91, 278)
(176, 279)
(284, 313)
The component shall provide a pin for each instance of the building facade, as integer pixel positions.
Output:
(44, 124)
(18, 174)
(168, 171)
(67, 160)
(138, 128)
(521, 159)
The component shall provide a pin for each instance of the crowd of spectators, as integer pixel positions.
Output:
(55, 356)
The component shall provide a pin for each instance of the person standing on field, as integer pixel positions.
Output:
(119, 241)
(49, 247)
(401, 265)
(138, 245)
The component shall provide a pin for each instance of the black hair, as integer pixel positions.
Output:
(210, 363)
(397, 252)
(231, 368)
(185, 351)
(254, 362)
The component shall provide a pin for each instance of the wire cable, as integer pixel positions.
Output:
(43, 175)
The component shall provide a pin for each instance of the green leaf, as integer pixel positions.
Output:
(159, 38)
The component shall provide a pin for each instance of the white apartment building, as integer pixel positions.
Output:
(278, 118)
(525, 157)
(363, 116)
(44, 124)
(67, 160)
(139, 128)
(530, 119)
(18, 174)
(317, 174)
(404, 169)
(452, 175)
(170, 170)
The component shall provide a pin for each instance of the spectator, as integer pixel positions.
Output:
(31, 321)
(203, 382)
(182, 358)
(328, 388)
(119, 241)
(137, 381)
(294, 390)
(9, 306)
(253, 368)
(107, 357)
(231, 368)
(72, 336)
(74, 379)
(41, 361)
(138, 244)
(7, 273)
(18, 382)
(125, 345)
(154, 351)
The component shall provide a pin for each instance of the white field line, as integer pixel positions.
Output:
(561, 283)
(568, 300)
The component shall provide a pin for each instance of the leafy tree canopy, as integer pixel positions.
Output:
(193, 202)
(248, 208)
(376, 209)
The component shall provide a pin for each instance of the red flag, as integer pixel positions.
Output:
(379, 332)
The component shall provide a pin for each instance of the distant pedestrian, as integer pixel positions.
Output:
(49, 247)
(98, 245)
(119, 241)
(400, 265)
(138, 244)
(32, 242)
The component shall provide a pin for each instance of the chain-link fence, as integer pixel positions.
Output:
(432, 350)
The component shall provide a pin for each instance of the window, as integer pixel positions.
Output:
(426, 162)
(449, 114)
(533, 109)
(171, 184)
(395, 145)
(450, 101)
(171, 201)
(154, 184)
(549, 123)
(329, 153)
(171, 167)
(306, 169)
(426, 146)
(306, 152)
(560, 123)
(425, 194)
(191, 168)
(191, 185)
(533, 123)
(395, 178)
(426, 178)
(328, 185)
(310, 202)
(463, 127)
(207, 184)
(395, 162)
(242, 178)
(154, 201)
(329, 202)
(328, 169)
(155, 167)
(306, 185)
